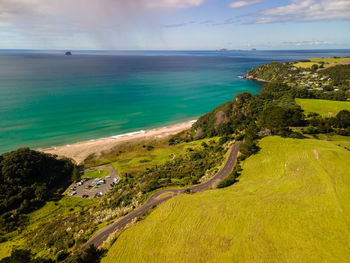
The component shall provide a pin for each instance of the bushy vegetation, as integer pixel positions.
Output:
(339, 74)
(274, 71)
(181, 170)
(232, 178)
(90, 255)
(273, 109)
(23, 256)
(315, 81)
(27, 180)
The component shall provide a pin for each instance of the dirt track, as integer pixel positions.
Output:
(156, 199)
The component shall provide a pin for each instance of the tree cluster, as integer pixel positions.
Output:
(27, 179)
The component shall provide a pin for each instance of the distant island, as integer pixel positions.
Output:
(68, 53)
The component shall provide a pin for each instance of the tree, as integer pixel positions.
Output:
(274, 118)
(252, 131)
(28, 179)
(75, 174)
(248, 148)
(343, 118)
(314, 67)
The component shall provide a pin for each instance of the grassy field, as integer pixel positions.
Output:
(326, 108)
(291, 204)
(137, 160)
(342, 141)
(328, 62)
(96, 174)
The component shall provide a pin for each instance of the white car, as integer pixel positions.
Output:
(73, 193)
(108, 176)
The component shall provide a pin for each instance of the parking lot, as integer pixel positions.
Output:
(95, 187)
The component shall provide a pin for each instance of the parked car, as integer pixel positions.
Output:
(108, 176)
(73, 193)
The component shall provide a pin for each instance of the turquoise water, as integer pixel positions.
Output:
(50, 99)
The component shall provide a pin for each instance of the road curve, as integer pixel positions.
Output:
(102, 235)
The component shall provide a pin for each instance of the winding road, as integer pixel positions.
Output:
(163, 195)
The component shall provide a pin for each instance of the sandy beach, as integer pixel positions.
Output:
(81, 150)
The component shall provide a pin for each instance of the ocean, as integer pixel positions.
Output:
(49, 99)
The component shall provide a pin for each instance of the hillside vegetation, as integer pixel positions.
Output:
(329, 80)
(326, 108)
(291, 204)
(60, 226)
(27, 180)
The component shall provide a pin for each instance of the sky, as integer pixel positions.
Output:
(174, 24)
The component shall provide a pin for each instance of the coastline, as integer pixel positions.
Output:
(79, 151)
(249, 77)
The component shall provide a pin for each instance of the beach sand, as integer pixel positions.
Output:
(81, 150)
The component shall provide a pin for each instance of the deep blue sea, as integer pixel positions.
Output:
(48, 99)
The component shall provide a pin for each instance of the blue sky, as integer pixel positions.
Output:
(174, 24)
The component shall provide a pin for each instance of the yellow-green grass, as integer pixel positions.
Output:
(342, 141)
(326, 108)
(52, 209)
(291, 204)
(49, 211)
(328, 62)
(7, 246)
(96, 173)
(138, 159)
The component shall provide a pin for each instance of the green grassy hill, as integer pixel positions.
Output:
(291, 204)
(328, 62)
(326, 108)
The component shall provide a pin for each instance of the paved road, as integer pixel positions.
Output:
(163, 195)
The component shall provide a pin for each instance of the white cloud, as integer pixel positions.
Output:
(179, 24)
(308, 43)
(104, 22)
(239, 4)
(307, 10)
(174, 3)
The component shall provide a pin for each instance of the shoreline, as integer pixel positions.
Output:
(79, 151)
(249, 77)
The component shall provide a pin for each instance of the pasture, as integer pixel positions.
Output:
(291, 204)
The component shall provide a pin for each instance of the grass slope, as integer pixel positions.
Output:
(96, 174)
(49, 211)
(137, 160)
(328, 62)
(292, 204)
(326, 108)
